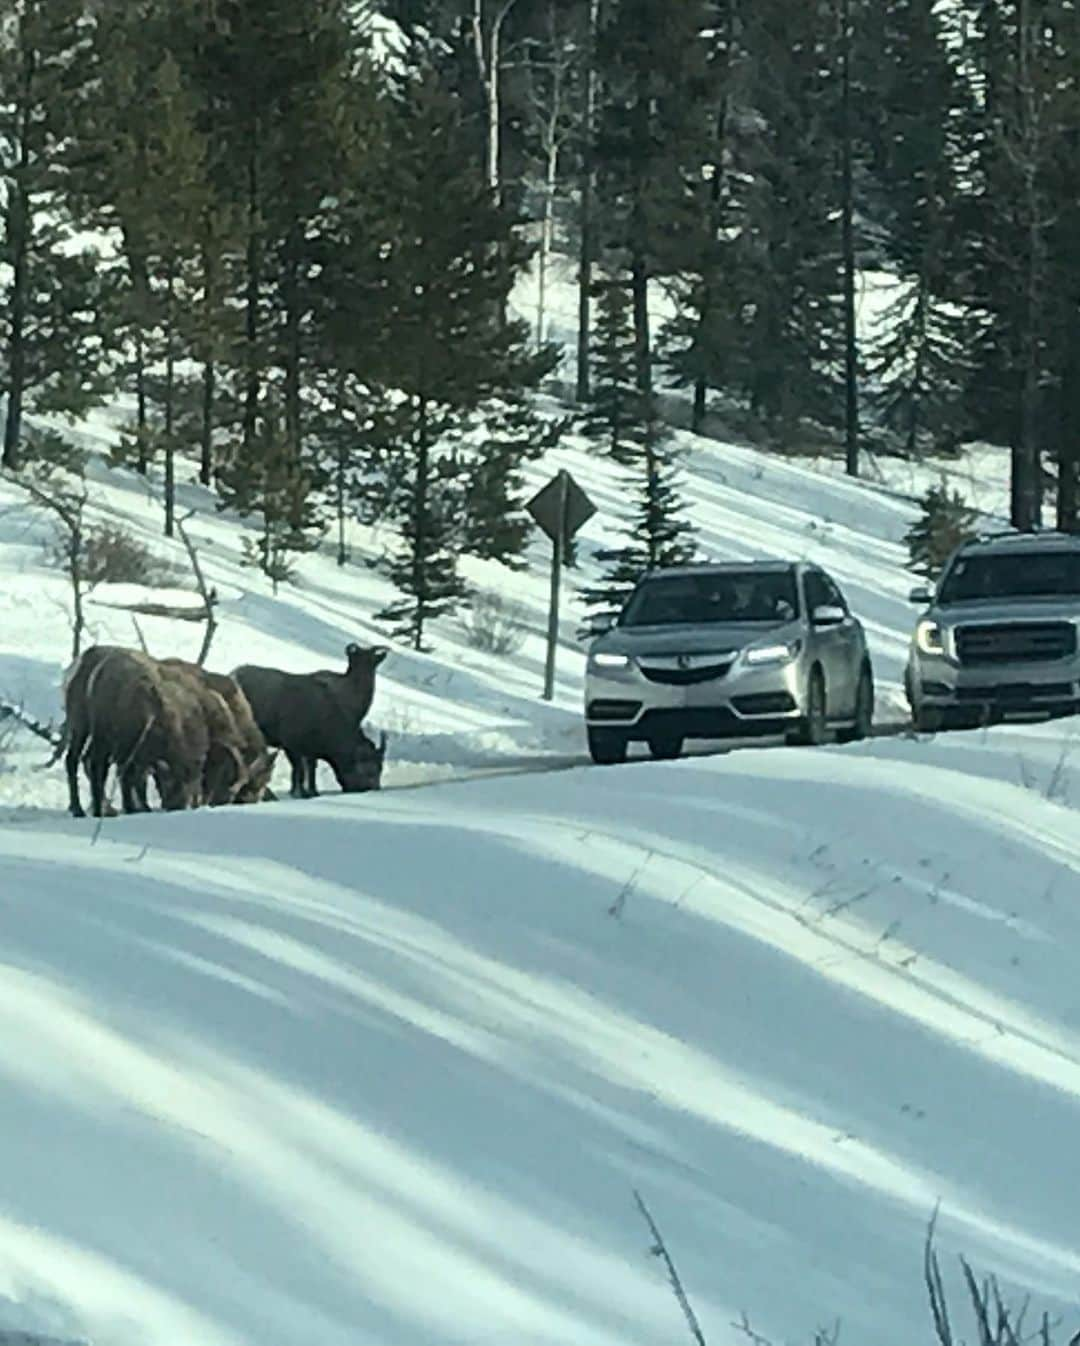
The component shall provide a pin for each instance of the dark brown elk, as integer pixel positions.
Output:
(317, 717)
(120, 712)
(236, 730)
(211, 728)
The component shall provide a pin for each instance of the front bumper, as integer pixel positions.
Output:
(1011, 691)
(741, 702)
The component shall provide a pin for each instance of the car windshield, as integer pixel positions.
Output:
(1017, 575)
(729, 596)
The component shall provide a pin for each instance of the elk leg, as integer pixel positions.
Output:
(296, 763)
(71, 764)
(311, 767)
(97, 768)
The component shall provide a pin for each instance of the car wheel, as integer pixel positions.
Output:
(813, 729)
(864, 710)
(607, 747)
(666, 749)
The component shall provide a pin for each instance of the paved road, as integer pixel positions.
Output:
(550, 762)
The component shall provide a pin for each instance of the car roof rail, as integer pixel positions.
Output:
(1014, 535)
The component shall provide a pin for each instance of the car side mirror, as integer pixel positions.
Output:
(828, 615)
(921, 594)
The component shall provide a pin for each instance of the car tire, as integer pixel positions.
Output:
(813, 728)
(864, 710)
(607, 747)
(666, 749)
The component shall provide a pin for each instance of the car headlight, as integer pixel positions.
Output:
(609, 661)
(929, 638)
(773, 654)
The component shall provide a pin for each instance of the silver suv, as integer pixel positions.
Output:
(1000, 637)
(723, 651)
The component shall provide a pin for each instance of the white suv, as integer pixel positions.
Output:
(718, 651)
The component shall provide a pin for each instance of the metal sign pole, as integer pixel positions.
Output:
(557, 543)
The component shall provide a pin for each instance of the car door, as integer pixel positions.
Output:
(829, 643)
(849, 639)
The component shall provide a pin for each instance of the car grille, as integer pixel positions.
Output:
(686, 677)
(1015, 642)
(1017, 691)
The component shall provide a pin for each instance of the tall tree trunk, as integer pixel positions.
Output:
(420, 513)
(18, 211)
(1027, 461)
(170, 401)
(714, 220)
(639, 255)
(252, 380)
(546, 230)
(588, 193)
(851, 351)
(209, 364)
(340, 469)
(292, 352)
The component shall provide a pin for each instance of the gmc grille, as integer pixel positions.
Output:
(1015, 642)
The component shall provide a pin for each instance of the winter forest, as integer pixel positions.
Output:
(287, 230)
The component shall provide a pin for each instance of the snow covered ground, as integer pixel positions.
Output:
(389, 1068)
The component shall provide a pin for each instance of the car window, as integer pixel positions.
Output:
(835, 598)
(726, 596)
(1015, 575)
(817, 592)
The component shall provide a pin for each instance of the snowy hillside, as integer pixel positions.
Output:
(459, 706)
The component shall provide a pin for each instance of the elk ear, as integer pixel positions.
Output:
(351, 651)
(379, 653)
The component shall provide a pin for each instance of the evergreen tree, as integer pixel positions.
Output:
(788, 360)
(263, 478)
(919, 358)
(698, 343)
(649, 144)
(944, 523)
(624, 422)
(54, 354)
(275, 78)
(426, 260)
(1020, 54)
(617, 407)
(511, 432)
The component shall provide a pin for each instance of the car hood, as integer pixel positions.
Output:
(995, 610)
(712, 639)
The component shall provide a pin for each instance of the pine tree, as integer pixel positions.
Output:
(55, 350)
(944, 523)
(625, 423)
(425, 260)
(919, 357)
(697, 344)
(617, 408)
(265, 480)
(1020, 55)
(649, 142)
(275, 77)
(791, 338)
(510, 433)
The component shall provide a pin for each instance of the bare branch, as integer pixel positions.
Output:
(209, 596)
(659, 1249)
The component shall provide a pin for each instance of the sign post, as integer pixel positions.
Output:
(560, 508)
